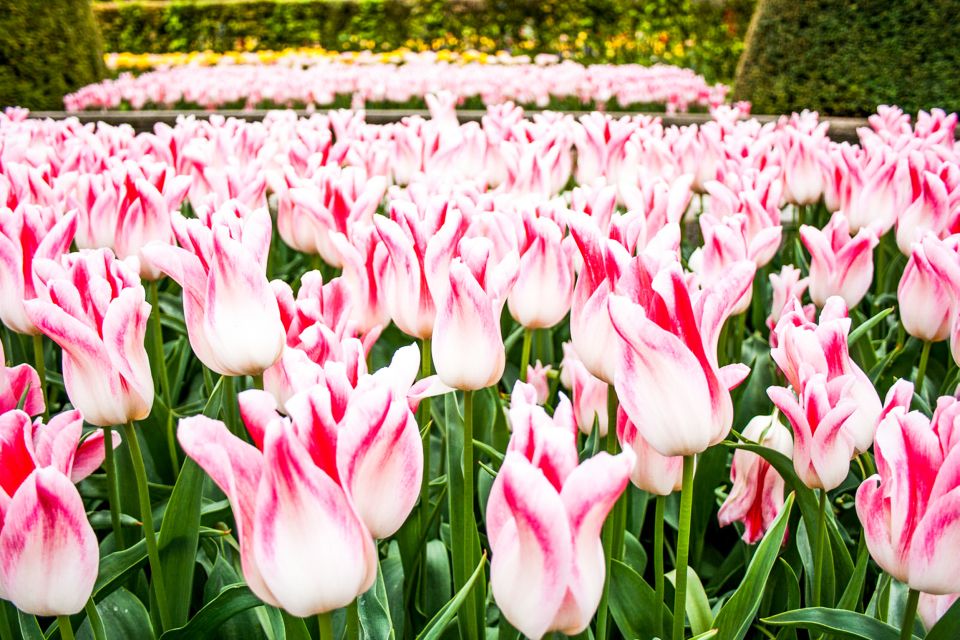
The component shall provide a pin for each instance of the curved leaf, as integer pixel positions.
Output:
(633, 602)
(231, 601)
(438, 625)
(837, 622)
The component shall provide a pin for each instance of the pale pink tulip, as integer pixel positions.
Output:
(787, 286)
(653, 472)
(538, 378)
(589, 392)
(543, 292)
(840, 264)
(931, 608)
(925, 298)
(927, 214)
(20, 383)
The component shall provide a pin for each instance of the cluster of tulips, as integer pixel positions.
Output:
(313, 81)
(310, 313)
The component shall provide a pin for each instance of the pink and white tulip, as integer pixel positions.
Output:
(543, 292)
(658, 474)
(589, 392)
(840, 264)
(925, 298)
(20, 383)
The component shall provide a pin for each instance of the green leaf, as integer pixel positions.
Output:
(706, 635)
(212, 408)
(864, 327)
(29, 627)
(373, 607)
(439, 589)
(231, 601)
(851, 595)
(123, 616)
(633, 602)
(242, 625)
(179, 535)
(698, 605)
(736, 616)
(435, 628)
(117, 567)
(837, 622)
(948, 627)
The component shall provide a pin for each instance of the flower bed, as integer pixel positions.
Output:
(423, 362)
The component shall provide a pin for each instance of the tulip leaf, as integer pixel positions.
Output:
(179, 536)
(706, 635)
(435, 628)
(229, 602)
(215, 401)
(438, 577)
(948, 627)
(244, 624)
(851, 595)
(29, 627)
(864, 327)
(123, 616)
(373, 607)
(736, 616)
(836, 622)
(633, 602)
(117, 567)
(698, 606)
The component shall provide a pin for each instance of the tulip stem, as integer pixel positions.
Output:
(609, 535)
(658, 564)
(683, 549)
(113, 489)
(146, 516)
(821, 546)
(801, 215)
(922, 367)
(909, 615)
(258, 381)
(96, 623)
(41, 371)
(66, 629)
(325, 626)
(423, 412)
(468, 525)
(525, 353)
(160, 364)
(352, 627)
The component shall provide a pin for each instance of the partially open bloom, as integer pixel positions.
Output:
(27, 234)
(232, 317)
(909, 508)
(925, 298)
(538, 378)
(20, 383)
(666, 335)
(929, 213)
(48, 551)
(787, 286)
(658, 474)
(931, 608)
(840, 264)
(95, 309)
(543, 292)
(756, 497)
(544, 517)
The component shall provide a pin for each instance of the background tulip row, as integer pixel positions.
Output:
(313, 377)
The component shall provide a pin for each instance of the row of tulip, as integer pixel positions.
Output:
(317, 81)
(304, 260)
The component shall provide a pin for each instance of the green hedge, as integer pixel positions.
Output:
(46, 53)
(845, 58)
(706, 35)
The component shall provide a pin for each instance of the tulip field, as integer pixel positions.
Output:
(533, 376)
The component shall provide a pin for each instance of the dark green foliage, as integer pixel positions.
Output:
(844, 58)
(47, 48)
(706, 35)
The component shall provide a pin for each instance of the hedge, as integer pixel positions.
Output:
(706, 35)
(46, 53)
(845, 58)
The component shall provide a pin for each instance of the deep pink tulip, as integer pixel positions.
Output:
(658, 474)
(20, 383)
(231, 313)
(543, 292)
(544, 517)
(29, 233)
(48, 551)
(803, 345)
(95, 309)
(666, 335)
(468, 350)
(840, 264)
(925, 298)
(909, 509)
(589, 393)
(756, 497)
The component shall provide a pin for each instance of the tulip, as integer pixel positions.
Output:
(538, 378)
(877, 197)
(756, 497)
(931, 608)
(468, 350)
(787, 286)
(803, 345)
(95, 309)
(924, 297)
(30, 233)
(20, 384)
(927, 214)
(840, 264)
(543, 292)
(669, 337)
(364, 260)
(658, 474)
(802, 174)
(544, 517)
(908, 508)
(724, 244)
(589, 392)
(231, 313)
(49, 550)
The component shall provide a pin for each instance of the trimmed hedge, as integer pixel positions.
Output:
(845, 58)
(46, 53)
(706, 35)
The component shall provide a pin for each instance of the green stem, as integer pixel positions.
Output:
(113, 488)
(922, 367)
(683, 549)
(423, 413)
(909, 615)
(352, 631)
(96, 623)
(6, 632)
(325, 626)
(609, 535)
(160, 368)
(66, 629)
(658, 563)
(146, 516)
(801, 215)
(525, 353)
(821, 547)
(468, 525)
(229, 407)
(258, 381)
(41, 371)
